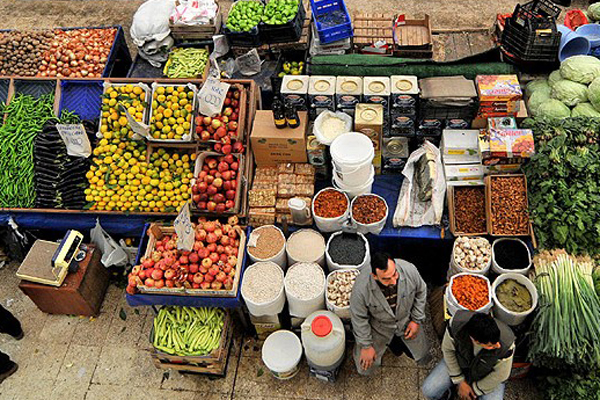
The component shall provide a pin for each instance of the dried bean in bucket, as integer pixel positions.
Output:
(347, 249)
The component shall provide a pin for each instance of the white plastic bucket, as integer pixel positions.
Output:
(353, 191)
(330, 224)
(342, 312)
(352, 156)
(457, 269)
(280, 258)
(374, 228)
(504, 314)
(333, 266)
(281, 354)
(291, 260)
(499, 270)
(302, 308)
(272, 307)
(454, 306)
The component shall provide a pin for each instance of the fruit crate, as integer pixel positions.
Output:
(287, 56)
(371, 28)
(34, 87)
(214, 363)
(188, 137)
(323, 9)
(243, 100)
(197, 32)
(156, 231)
(240, 188)
(413, 38)
(488, 204)
(288, 32)
(145, 88)
(82, 97)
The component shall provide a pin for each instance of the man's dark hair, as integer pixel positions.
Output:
(379, 261)
(483, 328)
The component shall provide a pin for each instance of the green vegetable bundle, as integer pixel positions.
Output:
(565, 331)
(280, 12)
(23, 118)
(564, 195)
(573, 387)
(188, 331)
(244, 15)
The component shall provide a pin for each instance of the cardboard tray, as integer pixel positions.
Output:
(155, 232)
(451, 216)
(488, 205)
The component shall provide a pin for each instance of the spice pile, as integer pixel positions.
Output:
(509, 205)
(306, 245)
(265, 242)
(511, 254)
(470, 291)
(347, 249)
(305, 281)
(259, 290)
(330, 203)
(469, 209)
(339, 287)
(368, 209)
(272, 187)
(514, 296)
(472, 253)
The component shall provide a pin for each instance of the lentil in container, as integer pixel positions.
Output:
(330, 203)
(262, 282)
(306, 245)
(305, 281)
(269, 242)
(347, 249)
(368, 209)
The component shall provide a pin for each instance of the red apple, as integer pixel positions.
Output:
(149, 282)
(229, 204)
(194, 268)
(212, 189)
(198, 278)
(219, 198)
(207, 120)
(215, 123)
(170, 274)
(205, 136)
(207, 262)
(223, 166)
(226, 149)
(234, 165)
(169, 283)
(217, 183)
(212, 247)
(214, 257)
(211, 162)
(230, 194)
(208, 179)
(216, 285)
(205, 285)
(202, 205)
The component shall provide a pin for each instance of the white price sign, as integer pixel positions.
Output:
(76, 139)
(212, 96)
(184, 229)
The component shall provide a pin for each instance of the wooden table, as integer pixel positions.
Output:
(81, 293)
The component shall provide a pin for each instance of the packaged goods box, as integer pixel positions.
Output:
(272, 146)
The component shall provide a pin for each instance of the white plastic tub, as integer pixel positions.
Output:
(281, 354)
(353, 191)
(333, 266)
(352, 157)
(504, 314)
(272, 307)
(330, 224)
(374, 228)
(454, 306)
(280, 258)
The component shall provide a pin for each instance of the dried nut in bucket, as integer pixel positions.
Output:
(330, 204)
(472, 253)
(368, 209)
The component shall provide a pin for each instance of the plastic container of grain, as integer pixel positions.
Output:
(279, 257)
(333, 266)
(305, 289)
(306, 245)
(259, 298)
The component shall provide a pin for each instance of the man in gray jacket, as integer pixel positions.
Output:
(387, 308)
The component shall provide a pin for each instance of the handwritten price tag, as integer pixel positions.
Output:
(184, 229)
(212, 96)
(76, 139)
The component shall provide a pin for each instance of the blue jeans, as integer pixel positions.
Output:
(438, 383)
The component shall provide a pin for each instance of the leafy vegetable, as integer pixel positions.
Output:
(536, 85)
(582, 69)
(554, 77)
(585, 110)
(593, 11)
(573, 387)
(553, 108)
(594, 93)
(536, 100)
(569, 92)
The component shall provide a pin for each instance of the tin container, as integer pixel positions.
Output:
(376, 90)
(321, 94)
(368, 120)
(430, 128)
(348, 93)
(394, 154)
(405, 94)
(294, 88)
(402, 125)
(457, 123)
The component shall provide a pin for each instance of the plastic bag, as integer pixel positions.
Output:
(323, 119)
(157, 52)
(249, 63)
(151, 21)
(15, 241)
(410, 210)
(112, 253)
(194, 13)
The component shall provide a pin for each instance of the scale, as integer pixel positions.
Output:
(49, 262)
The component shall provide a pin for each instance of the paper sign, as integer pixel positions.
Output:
(76, 139)
(212, 96)
(138, 128)
(184, 229)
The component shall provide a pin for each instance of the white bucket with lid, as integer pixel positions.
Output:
(512, 318)
(352, 157)
(353, 191)
(281, 354)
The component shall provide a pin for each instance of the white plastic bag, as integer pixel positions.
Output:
(323, 118)
(410, 211)
(249, 64)
(112, 253)
(157, 52)
(151, 21)
(194, 12)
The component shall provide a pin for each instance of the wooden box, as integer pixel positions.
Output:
(450, 198)
(488, 203)
(371, 28)
(413, 39)
(81, 293)
(196, 32)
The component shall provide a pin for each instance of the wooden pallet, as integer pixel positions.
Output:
(413, 38)
(371, 28)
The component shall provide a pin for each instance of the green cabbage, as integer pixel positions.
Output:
(593, 11)
(554, 77)
(594, 93)
(582, 69)
(536, 100)
(538, 84)
(569, 92)
(585, 110)
(553, 109)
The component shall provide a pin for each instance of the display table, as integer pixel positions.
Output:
(81, 293)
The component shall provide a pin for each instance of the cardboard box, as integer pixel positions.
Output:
(498, 88)
(272, 146)
(473, 172)
(460, 146)
(508, 143)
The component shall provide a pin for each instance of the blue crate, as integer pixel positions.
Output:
(82, 97)
(333, 33)
(4, 84)
(35, 87)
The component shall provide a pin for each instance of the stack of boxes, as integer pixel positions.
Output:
(461, 157)
(499, 95)
(348, 93)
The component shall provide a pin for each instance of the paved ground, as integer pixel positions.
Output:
(72, 358)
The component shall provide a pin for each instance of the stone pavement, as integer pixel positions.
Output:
(72, 358)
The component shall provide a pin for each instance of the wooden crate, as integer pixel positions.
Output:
(451, 216)
(243, 102)
(214, 363)
(371, 28)
(156, 231)
(413, 38)
(488, 203)
(197, 32)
